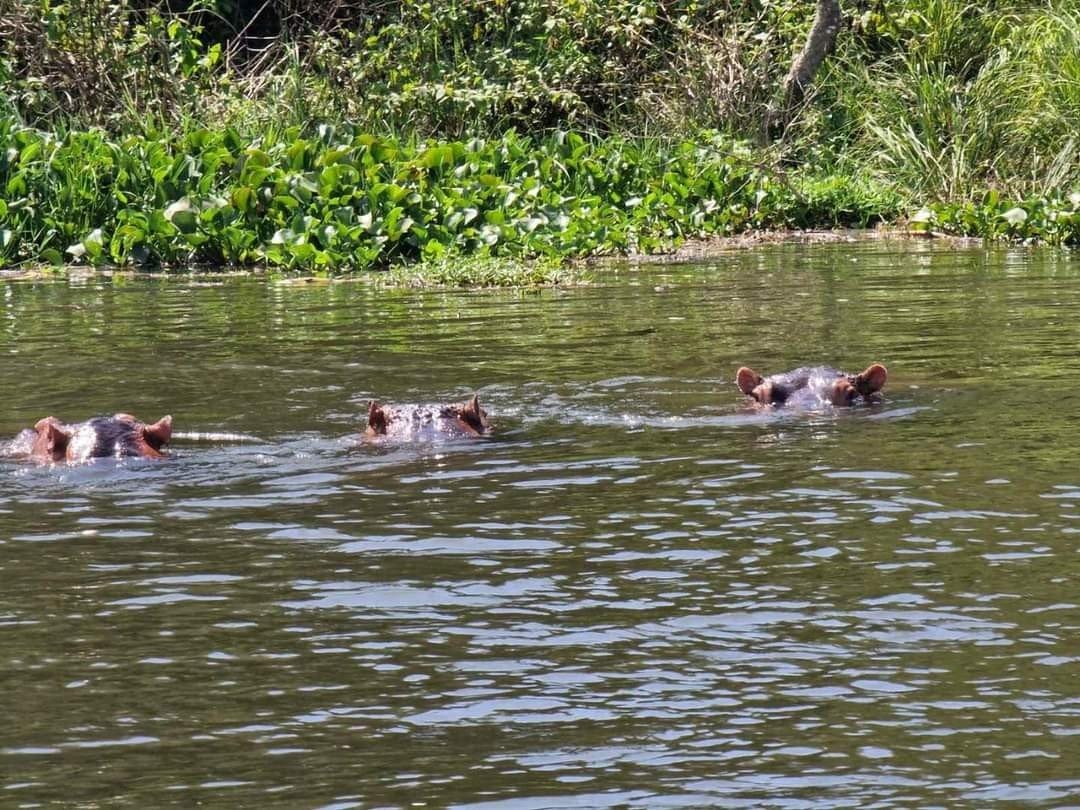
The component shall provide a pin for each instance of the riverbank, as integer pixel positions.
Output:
(486, 271)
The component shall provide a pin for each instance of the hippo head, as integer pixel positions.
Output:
(812, 385)
(427, 422)
(118, 435)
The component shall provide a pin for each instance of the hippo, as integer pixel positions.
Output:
(427, 422)
(813, 386)
(114, 436)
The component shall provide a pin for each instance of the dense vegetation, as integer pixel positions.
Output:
(358, 133)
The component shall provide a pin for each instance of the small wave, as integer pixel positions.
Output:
(213, 436)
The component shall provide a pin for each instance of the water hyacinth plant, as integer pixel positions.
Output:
(1049, 220)
(344, 200)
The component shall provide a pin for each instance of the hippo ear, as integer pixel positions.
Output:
(747, 379)
(376, 419)
(53, 436)
(473, 415)
(871, 380)
(158, 434)
(472, 407)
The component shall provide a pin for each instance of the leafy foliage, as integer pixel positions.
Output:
(1050, 220)
(445, 69)
(369, 133)
(353, 200)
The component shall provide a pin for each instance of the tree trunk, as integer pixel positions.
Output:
(819, 44)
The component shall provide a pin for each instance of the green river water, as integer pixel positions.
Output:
(637, 593)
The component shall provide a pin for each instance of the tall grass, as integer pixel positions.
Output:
(980, 99)
(1035, 77)
(930, 132)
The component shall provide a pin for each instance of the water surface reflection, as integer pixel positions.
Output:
(636, 593)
